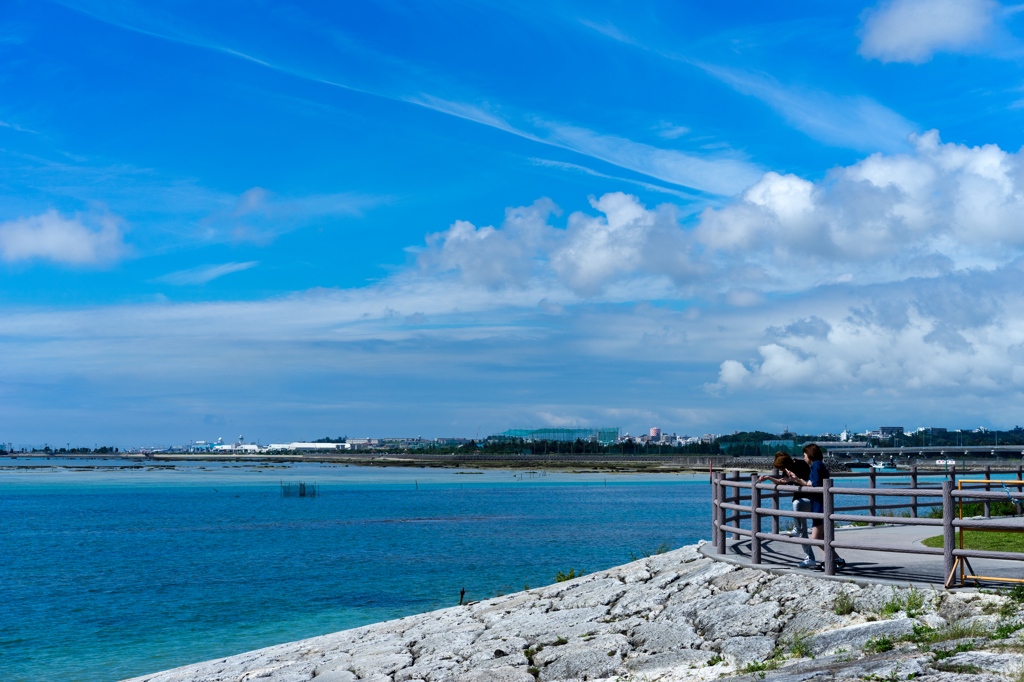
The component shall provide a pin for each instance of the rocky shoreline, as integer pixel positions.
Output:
(670, 617)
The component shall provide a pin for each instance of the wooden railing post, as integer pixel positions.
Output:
(714, 509)
(720, 549)
(755, 520)
(775, 503)
(948, 532)
(913, 485)
(1020, 488)
(735, 499)
(828, 527)
(988, 486)
(871, 498)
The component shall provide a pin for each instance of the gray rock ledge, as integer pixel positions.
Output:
(671, 617)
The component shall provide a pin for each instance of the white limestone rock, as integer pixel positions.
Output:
(854, 637)
(590, 660)
(546, 628)
(503, 674)
(812, 620)
(366, 665)
(798, 593)
(737, 580)
(739, 651)
(1004, 664)
(738, 620)
(899, 668)
(336, 676)
(662, 637)
(651, 665)
(597, 593)
(933, 620)
(662, 618)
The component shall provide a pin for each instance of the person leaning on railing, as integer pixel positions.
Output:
(818, 473)
(784, 462)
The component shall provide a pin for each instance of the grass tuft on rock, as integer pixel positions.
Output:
(879, 645)
(843, 604)
(562, 577)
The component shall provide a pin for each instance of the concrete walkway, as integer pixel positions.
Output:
(895, 568)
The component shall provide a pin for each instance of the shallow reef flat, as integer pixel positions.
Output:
(669, 617)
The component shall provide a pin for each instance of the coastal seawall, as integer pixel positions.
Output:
(669, 617)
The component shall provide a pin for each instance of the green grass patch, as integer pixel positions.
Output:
(912, 603)
(949, 653)
(800, 645)
(984, 541)
(1005, 628)
(770, 664)
(879, 645)
(958, 669)
(843, 604)
(998, 508)
(925, 636)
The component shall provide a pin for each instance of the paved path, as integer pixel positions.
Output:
(873, 567)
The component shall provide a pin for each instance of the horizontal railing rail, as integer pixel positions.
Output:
(735, 501)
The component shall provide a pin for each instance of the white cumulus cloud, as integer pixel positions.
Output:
(628, 239)
(887, 216)
(51, 236)
(913, 30)
(591, 253)
(489, 256)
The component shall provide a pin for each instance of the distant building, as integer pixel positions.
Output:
(362, 443)
(655, 433)
(890, 431)
(604, 436)
(309, 447)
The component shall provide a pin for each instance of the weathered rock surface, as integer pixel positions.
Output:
(671, 617)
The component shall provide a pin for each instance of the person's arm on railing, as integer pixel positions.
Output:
(794, 479)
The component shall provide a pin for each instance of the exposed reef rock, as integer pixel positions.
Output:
(671, 617)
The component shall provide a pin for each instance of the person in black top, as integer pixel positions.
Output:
(818, 473)
(786, 465)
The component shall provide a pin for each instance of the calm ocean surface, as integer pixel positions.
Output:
(109, 573)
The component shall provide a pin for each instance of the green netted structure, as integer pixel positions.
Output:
(604, 436)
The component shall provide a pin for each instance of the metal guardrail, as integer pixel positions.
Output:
(727, 495)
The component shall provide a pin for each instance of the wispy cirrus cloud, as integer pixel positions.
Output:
(203, 273)
(853, 122)
(717, 173)
(714, 172)
(15, 126)
(590, 171)
(258, 215)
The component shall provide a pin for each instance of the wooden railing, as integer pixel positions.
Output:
(727, 512)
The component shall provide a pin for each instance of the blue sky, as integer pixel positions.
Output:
(297, 219)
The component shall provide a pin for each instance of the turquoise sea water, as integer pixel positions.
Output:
(109, 573)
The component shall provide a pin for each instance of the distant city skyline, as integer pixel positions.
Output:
(287, 218)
